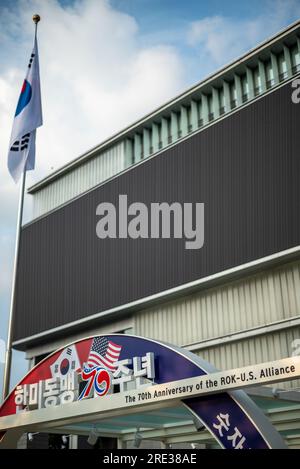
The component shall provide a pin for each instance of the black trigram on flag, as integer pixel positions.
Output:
(31, 60)
(21, 144)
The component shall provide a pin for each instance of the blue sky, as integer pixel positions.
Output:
(103, 65)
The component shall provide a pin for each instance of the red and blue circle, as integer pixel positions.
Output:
(25, 97)
(102, 382)
(64, 366)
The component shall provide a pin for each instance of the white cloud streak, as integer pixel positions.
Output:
(220, 39)
(95, 77)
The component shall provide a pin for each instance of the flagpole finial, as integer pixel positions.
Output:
(36, 18)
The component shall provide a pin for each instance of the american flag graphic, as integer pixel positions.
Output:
(104, 353)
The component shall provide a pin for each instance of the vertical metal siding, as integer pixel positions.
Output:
(80, 179)
(256, 301)
(264, 348)
(245, 169)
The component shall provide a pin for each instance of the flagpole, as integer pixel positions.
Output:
(8, 353)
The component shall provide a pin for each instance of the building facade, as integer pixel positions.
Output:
(231, 143)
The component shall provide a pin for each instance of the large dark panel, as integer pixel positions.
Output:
(244, 168)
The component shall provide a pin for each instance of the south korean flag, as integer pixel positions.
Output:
(28, 116)
(67, 362)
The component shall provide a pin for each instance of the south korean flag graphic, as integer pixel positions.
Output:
(28, 117)
(67, 362)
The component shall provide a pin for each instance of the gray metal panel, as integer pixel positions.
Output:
(245, 169)
(254, 350)
(82, 178)
(254, 301)
(206, 316)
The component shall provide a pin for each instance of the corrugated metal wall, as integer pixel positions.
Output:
(256, 301)
(264, 348)
(80, 179)
(246, 171)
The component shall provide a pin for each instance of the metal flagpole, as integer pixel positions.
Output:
(8, 354)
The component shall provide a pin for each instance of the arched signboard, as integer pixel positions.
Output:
(100, 366)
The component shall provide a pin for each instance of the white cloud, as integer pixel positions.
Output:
(95, 77)
(220, 39)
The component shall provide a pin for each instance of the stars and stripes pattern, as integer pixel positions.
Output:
(103, 353)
